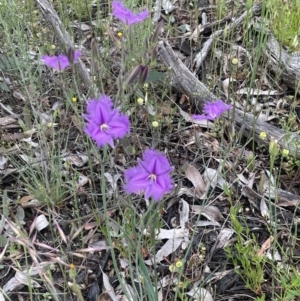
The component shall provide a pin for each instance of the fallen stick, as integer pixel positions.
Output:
(281, 63)
(52, 17)
(248, 125)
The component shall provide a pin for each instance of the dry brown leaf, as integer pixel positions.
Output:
(195, 34)
(18, 281)
(167, 234)
(13, 137)
(264, 209)
(109, 289)
(82, 180)
(25, 199)
(78, 160)
(265, 246)
(200, 294)
(90, 225)
(210, 177)
(207, 223)
(195, 177)
(167, 108)
(7, 120)
(184, 210)
(168, 248)
(212, 213)
(223, 237)
(257, 92)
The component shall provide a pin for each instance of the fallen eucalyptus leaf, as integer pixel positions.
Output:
(212, 213)
(41, 222)
(168, 248)
(195, 177)
(223, 237)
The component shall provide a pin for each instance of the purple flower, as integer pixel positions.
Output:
(104, 124)
(126, 15)
(59, 62)
(213, 110)
(151, 176)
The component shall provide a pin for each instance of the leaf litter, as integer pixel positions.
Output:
(195, 228)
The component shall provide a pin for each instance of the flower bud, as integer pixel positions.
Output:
(144, 74)
(133, 75)
(95, 49)
(263, 135)
(70, 55)
(154, 54)
(155, 124)
(140, 101)
(157, 31)
(234, 61)
(285, 152)
(274, 148)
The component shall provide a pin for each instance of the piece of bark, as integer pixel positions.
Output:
(286, 66)
(245, 123)
(52, 17)
(183, 79)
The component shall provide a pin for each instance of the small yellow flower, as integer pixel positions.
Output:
(178, 264)
(285, 152)
(72, 271)
(120, 34)
(155, 124)
(172, 268)
(53, 46)
(234, 61)
(263, 135)
(74, 99)
(146, 86)
(140, 101)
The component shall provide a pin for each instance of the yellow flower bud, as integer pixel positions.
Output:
(72, 271)
(140, 101)
(178, 264)
(74, 99)
(263, 135)
(234, 61)
(120, 34)
(172, 268)
(285, 152)
(155, 124)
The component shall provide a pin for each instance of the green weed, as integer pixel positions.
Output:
(248, 265)
(285, 22)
